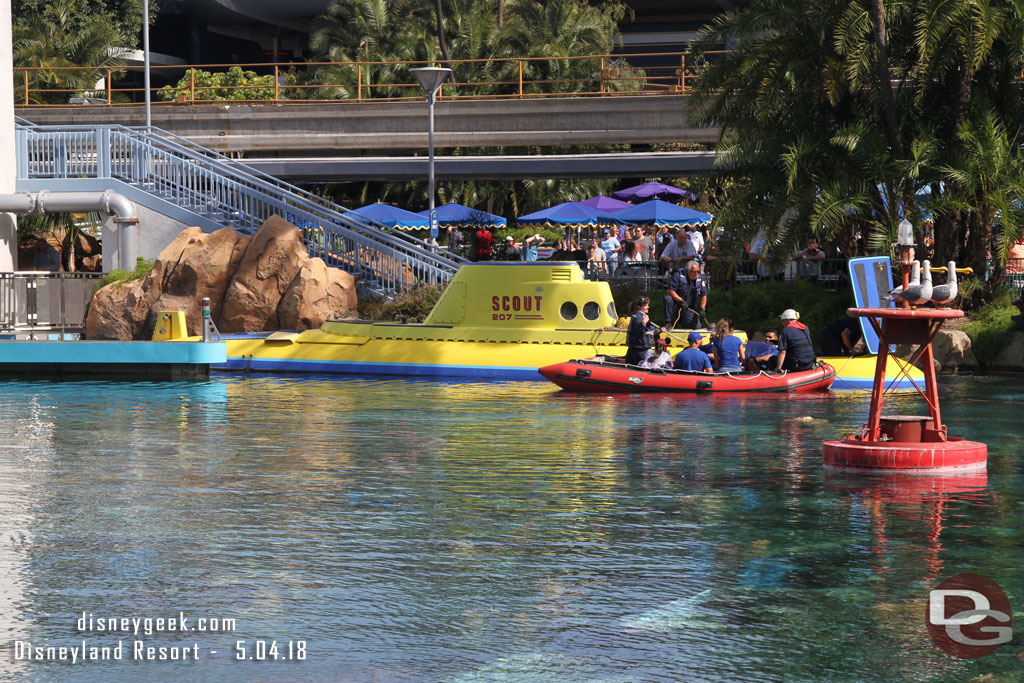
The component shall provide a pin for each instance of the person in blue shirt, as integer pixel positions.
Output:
(692, 358)
(763, 355)
(728, 348)
(611, 247)
(530, 245)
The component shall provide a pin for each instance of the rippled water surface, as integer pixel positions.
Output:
(473, 532)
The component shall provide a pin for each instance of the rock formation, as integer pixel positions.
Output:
(1011, 357)
(951, 351)
(265, 282)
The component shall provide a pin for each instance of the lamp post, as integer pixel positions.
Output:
(145, 59)
(430, 79)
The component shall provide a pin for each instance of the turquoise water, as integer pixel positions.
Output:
(479, 532)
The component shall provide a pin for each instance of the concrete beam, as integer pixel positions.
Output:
(341, 169)
(371, 125)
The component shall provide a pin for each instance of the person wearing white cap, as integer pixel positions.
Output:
(511, 249)
(796, 352)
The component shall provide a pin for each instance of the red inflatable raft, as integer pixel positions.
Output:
(600, 375)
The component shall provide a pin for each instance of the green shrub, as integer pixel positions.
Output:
(413, 304)
(142, 268)
(233, 84)
(757, 306)
(992, 327)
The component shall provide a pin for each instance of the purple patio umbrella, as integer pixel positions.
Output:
(660, 213)
(605, 203)
(653, 189)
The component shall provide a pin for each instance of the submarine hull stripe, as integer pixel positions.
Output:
(235, 363)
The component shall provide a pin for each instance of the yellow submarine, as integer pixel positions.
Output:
(494, 320)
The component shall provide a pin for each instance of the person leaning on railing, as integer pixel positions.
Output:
(644, 243)
(596, 259)
(809, 260)
(679, 251)
(455, 240)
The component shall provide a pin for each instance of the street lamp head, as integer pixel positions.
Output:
(431, 78)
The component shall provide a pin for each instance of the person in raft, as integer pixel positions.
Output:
(658, 357)
(728, 348)
(839, 338)
(796, 352)
(763, 355)
(640, 326)
(692, 358)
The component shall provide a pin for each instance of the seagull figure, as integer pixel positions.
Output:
(921, 292)
(944, 294)
(914, 281)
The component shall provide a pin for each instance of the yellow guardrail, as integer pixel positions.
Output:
(275, 82)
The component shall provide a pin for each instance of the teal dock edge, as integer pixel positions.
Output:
(115, 359)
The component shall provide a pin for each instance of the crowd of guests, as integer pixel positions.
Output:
(632, 249)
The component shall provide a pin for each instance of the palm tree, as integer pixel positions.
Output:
(560, 28)
(371, 31)
(988, 188)
(835, 113)
(53, 42)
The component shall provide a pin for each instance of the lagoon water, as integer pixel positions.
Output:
(479, 532)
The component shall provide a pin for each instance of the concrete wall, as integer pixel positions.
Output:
(154, 232)
(369, 125)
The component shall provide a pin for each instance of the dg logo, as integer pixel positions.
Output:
(969, 616)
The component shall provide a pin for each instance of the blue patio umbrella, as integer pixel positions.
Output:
(457, 215)
(653, 189)
(605, 203)
(392, 216)
(566, 215)
(659, 213)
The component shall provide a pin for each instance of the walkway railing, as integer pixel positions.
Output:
(829, 274)
(33, 304)
(520, 77)
(229, 193)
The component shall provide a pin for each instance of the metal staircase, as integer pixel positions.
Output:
(196, 185)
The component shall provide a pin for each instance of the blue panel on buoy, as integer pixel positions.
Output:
(872, 281)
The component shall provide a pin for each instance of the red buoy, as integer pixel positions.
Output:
(909, 444)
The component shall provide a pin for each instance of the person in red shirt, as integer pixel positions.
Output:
(484, 244)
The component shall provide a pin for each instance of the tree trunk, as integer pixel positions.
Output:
(945, 235)
(892, 129)
(979, 241)
(501, 13)
(440, 33)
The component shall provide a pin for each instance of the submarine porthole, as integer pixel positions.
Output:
(568, 310)
(611, 310)
(591, 310)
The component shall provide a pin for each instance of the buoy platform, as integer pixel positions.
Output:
(908, 444)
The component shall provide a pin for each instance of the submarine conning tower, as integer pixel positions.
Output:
(539, 294)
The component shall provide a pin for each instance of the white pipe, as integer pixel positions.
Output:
(109, 202)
